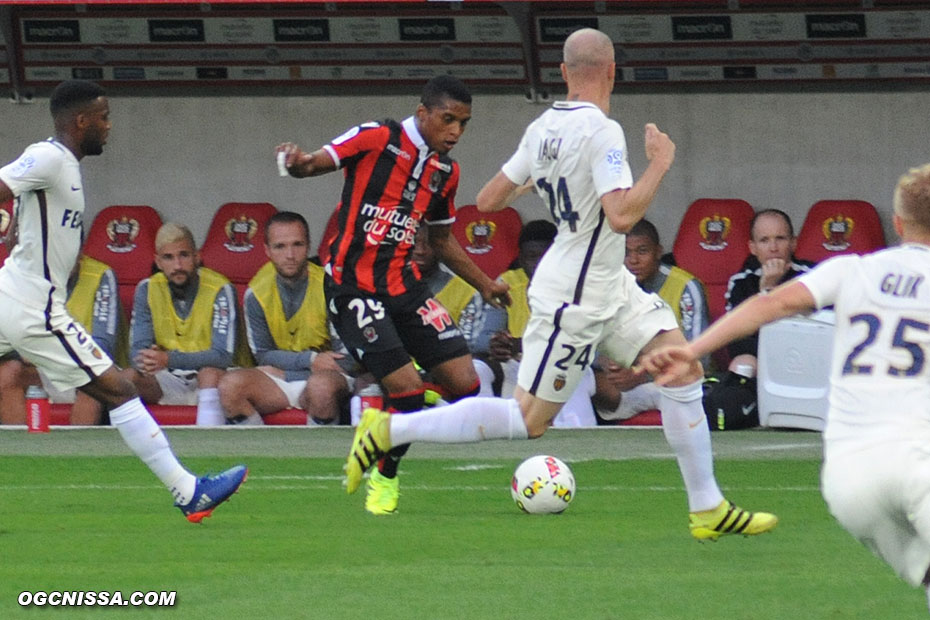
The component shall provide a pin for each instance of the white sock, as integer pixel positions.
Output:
(143, 435)
(686, 431)
(464, 421)
(209, 411)
(486, 376)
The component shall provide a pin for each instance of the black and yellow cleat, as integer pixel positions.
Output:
(728, 518)
(372, 441)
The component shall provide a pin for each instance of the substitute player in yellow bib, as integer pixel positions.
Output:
(289, 335)
(183, 333)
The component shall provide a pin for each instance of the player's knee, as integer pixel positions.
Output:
(324, 394)
(10, 374)
(472, 391)
(231, 387)
(413, 400)
(209, 377)
(113, 388)
(535, 430)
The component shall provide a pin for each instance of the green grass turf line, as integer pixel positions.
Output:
(292, 544)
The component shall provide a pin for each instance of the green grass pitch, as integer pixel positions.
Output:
(78, 513)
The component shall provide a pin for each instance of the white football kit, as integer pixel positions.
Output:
(581, 296)
(876, 471)
(49, 208)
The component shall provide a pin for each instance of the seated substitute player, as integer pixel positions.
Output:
(398, 175)
(289, 335)
(498, 342)
(876, 473)
(469, 310)
(182, 335)
(575, 157)
(34, 321)
(772, 243)
(621, 393)
(92, 301)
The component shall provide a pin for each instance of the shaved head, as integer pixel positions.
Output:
(587, 49)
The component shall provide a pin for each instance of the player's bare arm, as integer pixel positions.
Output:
(625, 207)
(300, 164)
(451, 253)
(6, 193)
(500, 192)
(9, 239)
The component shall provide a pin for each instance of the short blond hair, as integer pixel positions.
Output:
(912, 196)
(172, 232)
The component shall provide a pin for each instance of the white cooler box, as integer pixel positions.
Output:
(794, 371)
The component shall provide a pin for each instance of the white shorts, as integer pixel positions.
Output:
(178, 387)
(53, 342)
(880, 493)
(561, 341)
(292, 389)
(578, 411)
(54, 394)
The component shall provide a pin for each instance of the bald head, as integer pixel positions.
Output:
(587, 49)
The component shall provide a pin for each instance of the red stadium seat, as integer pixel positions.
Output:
(123, 237)
(652, 417)
(184, 415)
(489, 239)
(234, 245)
(834, 227)
(332, 225)
(6, 218)
(286, 417)
(712, 243)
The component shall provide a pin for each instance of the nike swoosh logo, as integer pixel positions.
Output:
(75, 189)
(747, 409)
(696, 423)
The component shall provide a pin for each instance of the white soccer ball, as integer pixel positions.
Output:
(543, 484)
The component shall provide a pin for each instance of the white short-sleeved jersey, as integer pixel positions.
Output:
(575, 154)
(880, 375)
(49, 209)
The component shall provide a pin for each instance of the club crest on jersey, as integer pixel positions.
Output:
(479, 234)
(714, 232)
(837, 230)
(559, 382)
(435, 314)
(370, 334)
(122, 234)
(434, 180)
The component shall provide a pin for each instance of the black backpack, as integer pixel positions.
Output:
(730, 402)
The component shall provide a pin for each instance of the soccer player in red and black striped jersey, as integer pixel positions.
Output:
(398, 175)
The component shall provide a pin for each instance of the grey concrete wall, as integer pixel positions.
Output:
(186, 156)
